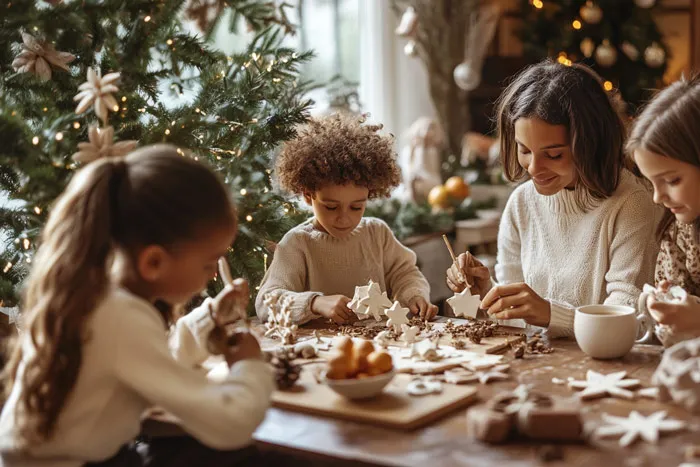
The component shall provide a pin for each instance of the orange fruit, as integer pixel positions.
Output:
(360, 353)
(379, 362)
(344, 345)
(439, 197)
(457, 188)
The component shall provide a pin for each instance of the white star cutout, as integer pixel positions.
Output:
(464, 304)
(360, 293)
(410, 334)
(600, 385)
(497, 373)
(375, 302)
(638, 426)
(397, 316)
(482, 362)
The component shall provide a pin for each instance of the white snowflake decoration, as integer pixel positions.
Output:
(638, 426)
(599, 385)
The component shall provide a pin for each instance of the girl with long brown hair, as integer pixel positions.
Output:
(128, 239)
(665, 145)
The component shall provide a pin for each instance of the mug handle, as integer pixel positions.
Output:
(644, 320)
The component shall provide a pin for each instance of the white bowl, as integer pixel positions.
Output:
(360, 388)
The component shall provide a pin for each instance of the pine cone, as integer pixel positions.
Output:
(286, 373)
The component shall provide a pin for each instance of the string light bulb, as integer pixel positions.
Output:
(537, 4)
(59, 136)
(26, 243)
(147, 18)
(576, 24)
(244, 192)
(76, 125)
(608, 86)
(7, 267)
(35, 140)
(167, 131)
(169, 42)
(249, 218)
(37, 210)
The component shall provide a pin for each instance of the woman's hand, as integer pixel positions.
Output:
(517, 301)
(478, 275)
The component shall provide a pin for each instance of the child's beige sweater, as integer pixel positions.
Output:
(308, 263)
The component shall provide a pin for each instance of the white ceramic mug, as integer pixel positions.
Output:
(609, 331)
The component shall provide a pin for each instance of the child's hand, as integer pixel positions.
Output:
(231, 303)
(681, 316)
(419, 306)
(334, 307)
(243, 346)
(477, 275)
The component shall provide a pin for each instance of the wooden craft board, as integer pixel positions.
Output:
(392, 409)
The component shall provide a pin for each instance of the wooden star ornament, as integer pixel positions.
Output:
(37, 56)
(637, 426)
(599, 385)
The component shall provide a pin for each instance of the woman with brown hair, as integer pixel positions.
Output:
(580, 229)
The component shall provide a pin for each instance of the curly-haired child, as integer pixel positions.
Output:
(337, 164)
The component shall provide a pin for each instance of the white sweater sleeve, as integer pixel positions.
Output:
(286, 278)
(509, 266)
(188, 337)
(402, 276)
(220, 415)
(632, 251)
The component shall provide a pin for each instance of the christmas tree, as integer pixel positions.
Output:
(148, 79)
(617, 38)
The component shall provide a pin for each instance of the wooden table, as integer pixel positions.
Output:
(326, 441)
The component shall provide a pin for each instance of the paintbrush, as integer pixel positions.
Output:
(454, 260)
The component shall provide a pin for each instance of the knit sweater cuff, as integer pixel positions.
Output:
(407, 295)
(300, 307)
(561, 321)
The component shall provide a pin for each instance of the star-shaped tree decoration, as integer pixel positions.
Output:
(497, 373)
(382, 339)
(361, 292)
(101, 144)
(98, 90)
(464, 304)
(599, 385)
(482, 362)
(397, 316)
(375, 302)
(37, 56)
(638, 426)
(410, 334)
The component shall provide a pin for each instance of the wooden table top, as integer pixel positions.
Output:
(447, 441)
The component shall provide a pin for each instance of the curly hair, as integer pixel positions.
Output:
(338, 150)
